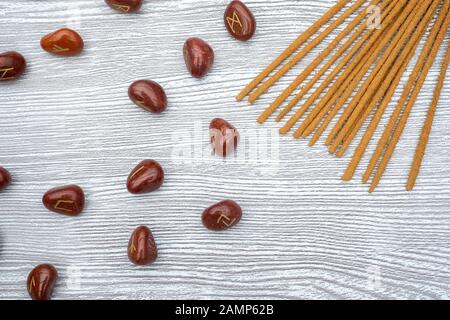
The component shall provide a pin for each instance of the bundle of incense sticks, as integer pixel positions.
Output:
(353, 80)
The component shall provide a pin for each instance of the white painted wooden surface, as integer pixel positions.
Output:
(305, 234)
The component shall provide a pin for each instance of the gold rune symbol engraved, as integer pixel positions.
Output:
(137, 171)
(122, 7)
(32, 284)
(3, 73)
(228, 221)
(62, 202)
(133, 247)
(141, 103)
(58, 49)
(233, 20)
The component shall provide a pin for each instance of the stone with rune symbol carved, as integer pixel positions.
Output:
(222, 215)
(240, 21)
(67, 200)
(224, 137)
(12, 65)
(41, 281)
(148, 95)
(63, 42)
(199, 56)
(148, 176)
(125, 6)
(142, 248)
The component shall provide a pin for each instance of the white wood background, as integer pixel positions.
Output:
(304, 234)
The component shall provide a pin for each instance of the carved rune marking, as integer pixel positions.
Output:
(137, 171)
(132, 247)
(141, 103)
(122, 7)
(3, 73)
(63, 202)
(32, 284)
(233, 20)
(58, 49)
(228, 221)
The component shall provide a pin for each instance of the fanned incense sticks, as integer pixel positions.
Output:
(353, 80)
(302, 77)
(354, 64)
(310, 46)
(372, 84)
(294, 46)
(423, 141)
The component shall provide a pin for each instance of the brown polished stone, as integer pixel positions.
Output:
(148, 95)
(41, 281)
(222, 215)
(63, 42)
(142, 248)
(125, 6)
(12, 65)
(224, 137)
(148, 176)
(240, 21)
(5, 178)
(199, 57)
(67, 200)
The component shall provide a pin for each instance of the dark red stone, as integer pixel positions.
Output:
(199, 57)
(12, 65)
(222, 215)
(125, 6)
(67, 200)
(63, 42)
(148, 176)
(41, 281)
(148, 95)
(142, 248)
(224, 137)
(240, 21)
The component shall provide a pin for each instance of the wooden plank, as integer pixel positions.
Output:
(305, 234)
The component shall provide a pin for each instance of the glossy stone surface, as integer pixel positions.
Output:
(239, 21)
(148, 95)
(12, 65)
(5, 178)
(199, 57)
(125, 6)
(142, 248)
(67, 200)
(222, 215)
(224, 137)
(148, 176)
(63, 42)
(41, 282)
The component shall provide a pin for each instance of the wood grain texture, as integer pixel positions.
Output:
(304, 234)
